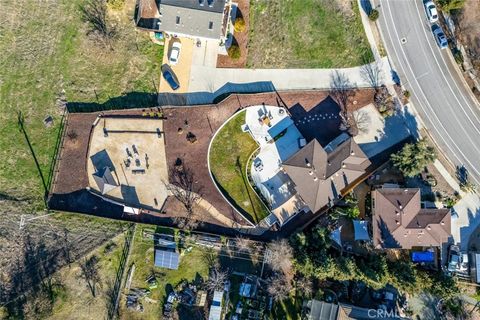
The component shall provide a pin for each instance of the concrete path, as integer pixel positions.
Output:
(208, 79)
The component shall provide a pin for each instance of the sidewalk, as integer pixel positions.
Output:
(204, 78)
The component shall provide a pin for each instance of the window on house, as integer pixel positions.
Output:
(210, 25)
(177, 20)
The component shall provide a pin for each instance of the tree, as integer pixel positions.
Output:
(413, 158)
(342, 93)
(373, 15)
(280, 255)
(216, 280)
(89, 272)
(305, 286)
(184, 188)
(279, 287)
(449, 5)
(243, 244)
(383, 100)
(94, 12)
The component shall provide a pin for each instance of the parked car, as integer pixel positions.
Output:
(432, 13)
(440, 37)
(168, 75)
(175, 53)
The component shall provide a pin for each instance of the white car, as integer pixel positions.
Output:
(175, 53)
(432, 12)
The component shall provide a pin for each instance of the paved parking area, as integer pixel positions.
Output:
(182, 68)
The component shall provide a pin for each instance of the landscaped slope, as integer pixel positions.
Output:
(306, 34)
(229, 153)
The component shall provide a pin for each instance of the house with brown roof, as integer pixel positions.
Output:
(323, 175)
(399, 221)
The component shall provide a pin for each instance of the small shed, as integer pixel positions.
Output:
(105, 180)
(216, 307)
(166, 259)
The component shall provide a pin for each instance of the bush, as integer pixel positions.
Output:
(373, 15)
(116, 4)
(449, 5)
(234, 52)
(239, 25)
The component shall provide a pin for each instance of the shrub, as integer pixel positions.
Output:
(449, 5)
(234, 51)
(406, 94)
(373, 15)
(239, 25)
(116, 4)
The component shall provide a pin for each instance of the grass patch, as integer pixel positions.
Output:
(306, 34)
(229, 154)
(46, 54)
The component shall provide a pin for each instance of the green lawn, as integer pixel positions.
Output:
(306, 34)
(46, 52)
(288, 309)
(229, 154)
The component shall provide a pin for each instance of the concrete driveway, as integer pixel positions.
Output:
(182, 68)
(465, 219)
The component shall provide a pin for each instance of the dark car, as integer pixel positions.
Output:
(168, 75)
(440, 36)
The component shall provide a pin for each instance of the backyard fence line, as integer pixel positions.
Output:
(115, 297)
(57, 155)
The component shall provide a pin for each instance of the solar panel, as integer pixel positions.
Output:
(166, 259)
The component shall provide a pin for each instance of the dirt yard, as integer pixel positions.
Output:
(241, 38)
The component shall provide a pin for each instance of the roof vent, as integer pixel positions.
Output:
(397, 222)
(397, 212)
(442, 223)
(307, 163)
(329, 163)
(406, 190)
(315, 179)
(344, 165)
(201, 2)
(401, 207)
(352, 153)
(429, 228)
(210, 3)
(310, 172)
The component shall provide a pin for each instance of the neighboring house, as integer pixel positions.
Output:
(323, 175)
(321, 310)
(197, 19)
(399, 221)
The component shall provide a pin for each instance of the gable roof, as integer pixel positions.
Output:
(400, 222)
(105, 180)
(321, 174)
(195, 19)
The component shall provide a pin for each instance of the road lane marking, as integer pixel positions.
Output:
(448, 146)
(446, 80)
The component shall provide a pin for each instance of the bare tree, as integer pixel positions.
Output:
(371, 71)
(89, 272)
(362, 120)
(280, 256)
(94, 12)
(210, 257)
(279, 287)
(243, 244)
(342, 91)
(216, 280)
(305, 286)
(183, 187)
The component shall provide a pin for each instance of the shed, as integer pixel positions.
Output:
(166, 259)
(216, 307)
(105, 180)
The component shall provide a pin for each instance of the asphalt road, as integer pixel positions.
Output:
(447, 108)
